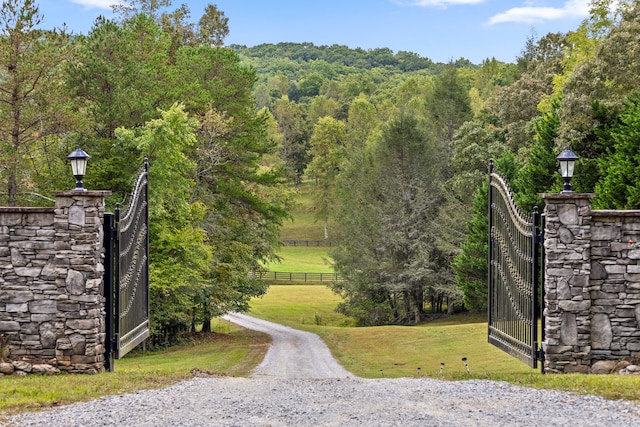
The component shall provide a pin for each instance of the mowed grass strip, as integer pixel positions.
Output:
(398, 351)
(233, 353)
(302, 259)
(305, 225)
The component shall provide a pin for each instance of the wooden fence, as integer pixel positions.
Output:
(308, 242)
(297, 277)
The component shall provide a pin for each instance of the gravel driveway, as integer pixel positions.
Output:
(300, 384)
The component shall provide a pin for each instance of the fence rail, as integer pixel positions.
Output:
(308, 242)
(297, 277)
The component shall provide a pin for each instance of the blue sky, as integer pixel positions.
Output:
(441, 30)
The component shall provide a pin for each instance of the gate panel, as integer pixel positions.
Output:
(514, 274)
(132, 268)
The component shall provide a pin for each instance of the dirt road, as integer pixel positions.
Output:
(293, 353)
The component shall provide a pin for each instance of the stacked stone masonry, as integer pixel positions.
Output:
(51, 284)
(592, 284)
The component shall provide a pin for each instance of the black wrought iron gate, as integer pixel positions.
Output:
(515, 288)
(127, 273)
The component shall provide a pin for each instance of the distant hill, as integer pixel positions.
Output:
(344, 56)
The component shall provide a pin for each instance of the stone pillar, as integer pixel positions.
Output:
(80, 270)
(567, 343)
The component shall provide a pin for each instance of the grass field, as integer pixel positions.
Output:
(397, 351)
(302, 259)
(304, 226)
(392, 351)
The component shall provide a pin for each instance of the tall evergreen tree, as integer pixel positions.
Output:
(389, 198)
(470, 265)
(538, 175)
(619, 186)
(32, 112)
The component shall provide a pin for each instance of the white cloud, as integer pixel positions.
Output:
(441, 3)
(98, 4)
(537, 14)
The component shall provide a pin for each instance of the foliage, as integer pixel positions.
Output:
(32, 117)
(338, 54)
(448, 105)
(179, 257)
(538, 173)
(470, 265)
(621, 167)
(388, 198)
(293, 127)
(328, 151)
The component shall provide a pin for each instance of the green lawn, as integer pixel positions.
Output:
(398, 351)
(302, 259)
(304, 225)
(392, 351)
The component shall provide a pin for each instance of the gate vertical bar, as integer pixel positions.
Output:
(108, 289)
(490, 252)
(543, 257)
(146, 245)
(116, 285)
(535, 284)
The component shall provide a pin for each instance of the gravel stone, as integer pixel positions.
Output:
(285, 391)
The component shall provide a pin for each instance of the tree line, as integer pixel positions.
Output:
(149, 83)
(400, 157)
(397, 147)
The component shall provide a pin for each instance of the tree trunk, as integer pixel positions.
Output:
(206, 325)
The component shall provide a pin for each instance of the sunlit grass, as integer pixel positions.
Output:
(302, 259)
(304, 225)
(398, 351)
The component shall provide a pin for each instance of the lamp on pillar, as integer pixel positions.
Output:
(79, 160)
(567, 161)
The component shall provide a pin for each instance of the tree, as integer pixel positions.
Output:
(119, 79)
(211, 30)
(210, 156)
(470, 265)
(293, 127)
(538, 174)
(597, 87)
(321, 106)
(30, 113)
(618, 187)
(361, 121)
(179, 256)
(448, 105)
(389, 196)
(328, 152)
(213, 26)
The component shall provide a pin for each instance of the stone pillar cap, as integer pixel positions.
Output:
(566, 196)
(88, 193)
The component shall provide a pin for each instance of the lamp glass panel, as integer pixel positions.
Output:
(78, 166)
(566, 168)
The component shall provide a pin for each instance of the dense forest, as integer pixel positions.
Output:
(397, 147)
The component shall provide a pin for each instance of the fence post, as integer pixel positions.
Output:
(567, 247)
(80, 269)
